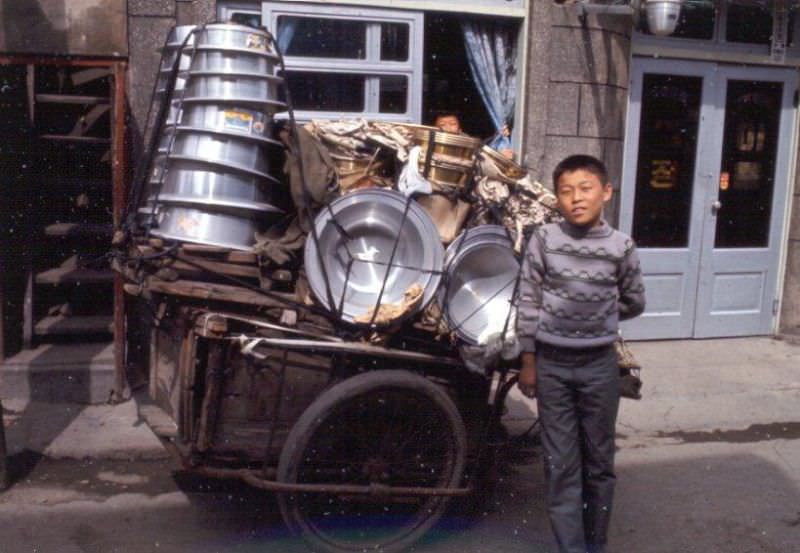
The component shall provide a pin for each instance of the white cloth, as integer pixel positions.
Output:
(411, 181)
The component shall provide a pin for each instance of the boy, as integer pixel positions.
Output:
(579, 278)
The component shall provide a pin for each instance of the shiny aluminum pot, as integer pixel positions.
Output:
(194, 182)
(233, 37)
(232, 62)
(247, 89)
(372, 221)
(241, 154)
(201, 226)
(482, 271)
(236, 121)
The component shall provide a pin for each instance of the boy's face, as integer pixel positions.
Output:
(448, 123)
(581, 197)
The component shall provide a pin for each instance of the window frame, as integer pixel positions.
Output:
(372, 67)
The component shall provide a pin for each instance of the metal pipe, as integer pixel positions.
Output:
(251, 478)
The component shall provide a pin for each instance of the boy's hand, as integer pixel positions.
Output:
(526, 381)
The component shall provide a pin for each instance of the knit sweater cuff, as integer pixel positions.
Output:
(527, 344)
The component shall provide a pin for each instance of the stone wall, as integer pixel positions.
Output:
(149, 21)
(577, 91)
(790, 310)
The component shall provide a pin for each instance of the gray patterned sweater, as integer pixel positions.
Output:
(577, 284)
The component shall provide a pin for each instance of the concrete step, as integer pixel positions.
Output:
(60, 373)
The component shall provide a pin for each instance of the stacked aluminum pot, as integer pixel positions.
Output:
(213, 176)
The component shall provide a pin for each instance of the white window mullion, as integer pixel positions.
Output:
(373, 92)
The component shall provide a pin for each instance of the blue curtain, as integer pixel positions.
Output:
(492, 54)
(286, 29)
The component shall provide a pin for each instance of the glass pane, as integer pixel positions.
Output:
(315, 37)
(696, 20)
(665, 166)
(394, 94)
(394, 41)
(249, 19)
(747, 175)
(326, 91)
(751, 24)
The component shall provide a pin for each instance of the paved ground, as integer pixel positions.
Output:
(709, 461)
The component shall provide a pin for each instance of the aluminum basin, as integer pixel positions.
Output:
(191, 181)
(232, 61)
(372, 221)
(236, 121)
(241, 89)
(482, 271)
(236, 153)
(233, 37)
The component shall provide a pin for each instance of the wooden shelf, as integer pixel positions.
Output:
(80, 139)
(71, 99)
(74, 325)
(72, 275)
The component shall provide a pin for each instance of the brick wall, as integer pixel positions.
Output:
(578, 89)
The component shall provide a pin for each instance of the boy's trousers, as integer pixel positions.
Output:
(577, 393)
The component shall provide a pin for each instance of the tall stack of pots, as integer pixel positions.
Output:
(213, 176)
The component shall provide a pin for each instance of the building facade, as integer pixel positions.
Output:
(698, 129)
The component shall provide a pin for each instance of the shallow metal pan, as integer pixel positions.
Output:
(482, 271)
(232, 62)
(237, 121)
(260, 89)
(231, 36)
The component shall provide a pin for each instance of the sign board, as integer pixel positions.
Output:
(64, 27)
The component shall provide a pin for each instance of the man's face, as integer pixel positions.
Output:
(581, 197)
(448, 123)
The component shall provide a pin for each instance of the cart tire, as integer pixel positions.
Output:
(391, 427)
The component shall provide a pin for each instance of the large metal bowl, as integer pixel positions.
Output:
(372, 221)
(232, 62)
(482, 271)
(238, 89)
(200, 226)
(233, 37)
(236, 121)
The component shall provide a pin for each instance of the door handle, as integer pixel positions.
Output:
(715, 207)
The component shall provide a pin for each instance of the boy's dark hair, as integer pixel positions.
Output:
(580, 161)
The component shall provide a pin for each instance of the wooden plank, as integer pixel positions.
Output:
(72, 275)
(231, 256)
(79, 229)
(71, 99)
(80, 78)
(27, 309)
(30, 82)
(217, 292)
(7, 59)
(119, 193)
(60, 325)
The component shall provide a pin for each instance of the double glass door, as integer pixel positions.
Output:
(707, 158)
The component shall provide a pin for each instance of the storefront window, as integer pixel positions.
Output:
(665, 168)
(749, 23)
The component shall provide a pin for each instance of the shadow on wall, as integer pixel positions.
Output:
(27, 27)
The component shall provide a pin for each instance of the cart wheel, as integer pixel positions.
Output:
(388, 427)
